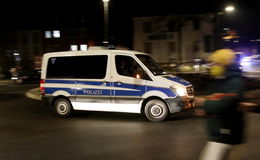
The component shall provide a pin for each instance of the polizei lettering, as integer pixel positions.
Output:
(93, 92)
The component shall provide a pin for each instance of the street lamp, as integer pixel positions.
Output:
(218, 42)
(230, 8)
(105, 3)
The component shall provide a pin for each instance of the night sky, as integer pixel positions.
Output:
(24, 14)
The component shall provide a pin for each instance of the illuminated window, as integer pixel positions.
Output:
(16, 54)
(56, 34)
(48, 34)
(83, 47)
(74, 47)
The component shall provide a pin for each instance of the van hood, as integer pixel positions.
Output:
(174, 80)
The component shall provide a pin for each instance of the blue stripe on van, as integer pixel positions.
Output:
(95, 92)
(180, 80)
(130, 86)
(52, 90)
(61, 81)
(128, 93)
(78, 82)
(140, 89)
(166, 91)
(93, 83)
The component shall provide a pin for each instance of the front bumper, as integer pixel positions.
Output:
(179, 103)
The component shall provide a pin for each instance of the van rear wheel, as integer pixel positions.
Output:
(156, 110)
(62, 107)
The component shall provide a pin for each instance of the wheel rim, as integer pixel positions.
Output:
(62, 108)
(156, 110)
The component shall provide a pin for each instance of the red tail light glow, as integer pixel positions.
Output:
(42, 89)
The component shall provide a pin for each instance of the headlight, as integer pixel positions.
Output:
(179, 90)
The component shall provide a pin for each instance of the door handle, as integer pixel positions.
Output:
(118, 82)
(104, 83)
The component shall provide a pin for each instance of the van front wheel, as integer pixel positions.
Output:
(156, 110)
(62, 107)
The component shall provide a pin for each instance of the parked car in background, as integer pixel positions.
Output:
(32, 76)
(195, 66)
(170, 67)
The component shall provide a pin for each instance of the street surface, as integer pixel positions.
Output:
(29, 131)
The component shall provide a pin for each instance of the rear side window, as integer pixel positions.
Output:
(84, 67)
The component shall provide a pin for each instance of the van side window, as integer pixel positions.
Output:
(127, 66)
(83, 67)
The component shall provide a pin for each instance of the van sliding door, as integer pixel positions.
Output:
(93, 83)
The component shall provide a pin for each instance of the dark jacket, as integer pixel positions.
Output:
(224, 123)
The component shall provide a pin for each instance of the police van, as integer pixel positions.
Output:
(113, 81)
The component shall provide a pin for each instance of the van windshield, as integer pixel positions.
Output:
(151, 64)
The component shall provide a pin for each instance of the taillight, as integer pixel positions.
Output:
(42, 89)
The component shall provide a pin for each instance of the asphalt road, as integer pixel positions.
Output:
(29, 131)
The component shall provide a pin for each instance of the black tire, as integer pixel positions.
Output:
(156, 110)
(62, 107)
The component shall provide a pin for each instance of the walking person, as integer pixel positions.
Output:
(224, 121)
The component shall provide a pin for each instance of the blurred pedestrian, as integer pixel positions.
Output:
(224, 121)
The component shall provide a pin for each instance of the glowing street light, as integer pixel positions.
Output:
(230, 8)
(218, 16)
(106, 19)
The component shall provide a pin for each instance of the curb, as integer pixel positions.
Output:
(33, 94)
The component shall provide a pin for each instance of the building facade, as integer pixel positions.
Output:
(22, 48)
(19, 48)
(174, 38)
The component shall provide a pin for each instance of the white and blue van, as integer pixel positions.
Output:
(112, 81)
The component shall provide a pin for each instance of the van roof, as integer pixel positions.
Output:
(89, 52)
